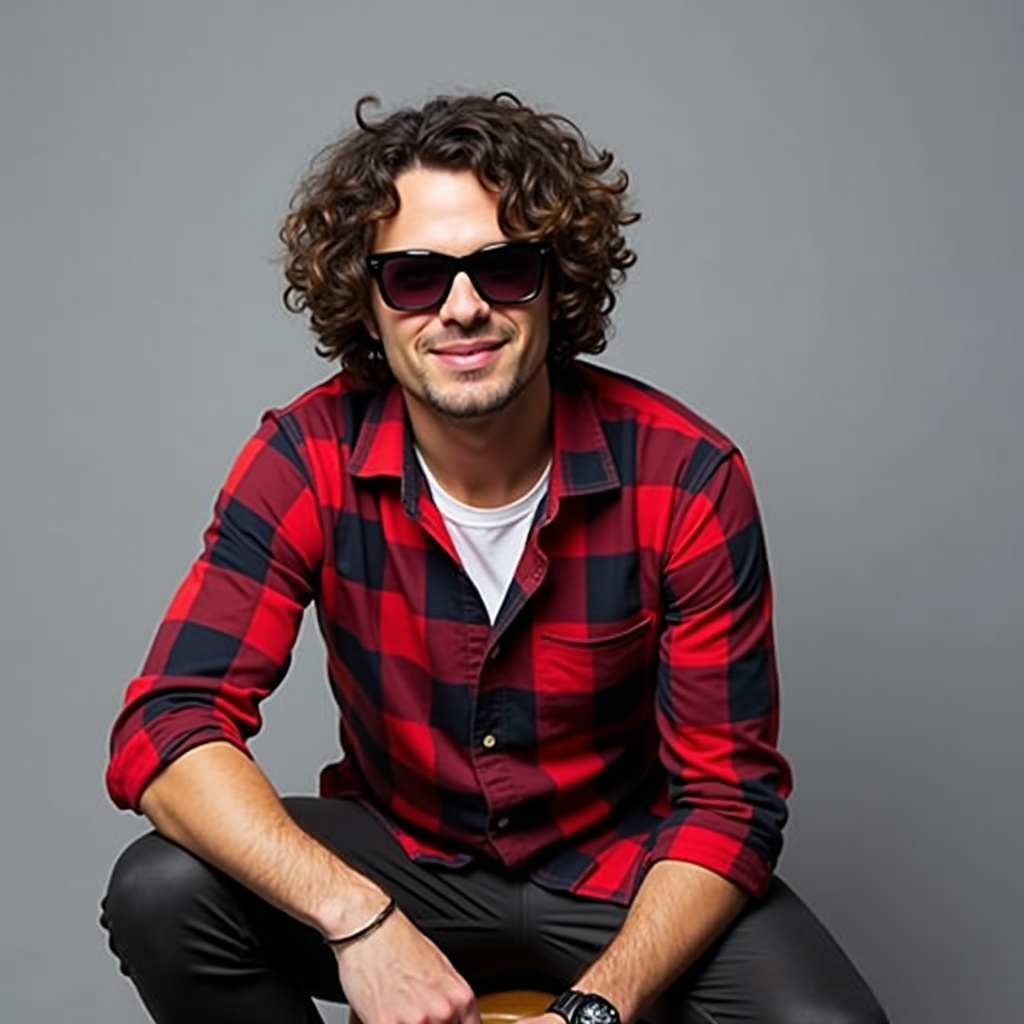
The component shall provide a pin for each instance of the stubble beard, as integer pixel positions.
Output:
(458, 402)
(476, 404)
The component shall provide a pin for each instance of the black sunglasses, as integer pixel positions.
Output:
(506, 273)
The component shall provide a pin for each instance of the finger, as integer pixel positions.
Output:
(472, 1014)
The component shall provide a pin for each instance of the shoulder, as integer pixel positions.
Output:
(664, 435)
(618, 395)
(314, 433)
(329, 413)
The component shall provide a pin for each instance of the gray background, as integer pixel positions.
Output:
(832, 270)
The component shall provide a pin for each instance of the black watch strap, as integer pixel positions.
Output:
(565, 1004)
(575, 1007)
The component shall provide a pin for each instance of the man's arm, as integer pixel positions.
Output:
(216, 802)
(678, 912)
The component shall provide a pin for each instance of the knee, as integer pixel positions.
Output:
(154, 887)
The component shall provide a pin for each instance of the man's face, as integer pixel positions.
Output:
(466, 358)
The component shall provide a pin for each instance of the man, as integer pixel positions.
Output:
(543, 592)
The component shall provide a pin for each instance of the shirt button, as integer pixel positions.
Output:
(495, 651)
(490, 741)
(501, 823)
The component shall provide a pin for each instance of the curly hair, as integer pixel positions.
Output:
(552, 185)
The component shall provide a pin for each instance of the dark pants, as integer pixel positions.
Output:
(202, 949)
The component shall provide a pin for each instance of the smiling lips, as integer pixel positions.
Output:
(469, 355)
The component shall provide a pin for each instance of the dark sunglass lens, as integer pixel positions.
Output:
(414, 282)
(510, 274)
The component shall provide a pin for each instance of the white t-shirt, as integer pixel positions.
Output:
(489, 541)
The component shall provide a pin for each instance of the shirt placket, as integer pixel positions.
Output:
(492, 723)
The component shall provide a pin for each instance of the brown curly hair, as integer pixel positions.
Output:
(553, 187)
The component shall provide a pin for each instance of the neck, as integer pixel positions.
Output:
(491, 460)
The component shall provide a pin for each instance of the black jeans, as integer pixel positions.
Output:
(202, 949)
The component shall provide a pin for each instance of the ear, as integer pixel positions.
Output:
(371, 327)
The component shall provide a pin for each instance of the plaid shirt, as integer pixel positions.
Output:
(622, 709)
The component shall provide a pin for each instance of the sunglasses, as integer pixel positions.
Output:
(503, 274)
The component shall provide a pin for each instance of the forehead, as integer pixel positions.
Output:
(446, 211)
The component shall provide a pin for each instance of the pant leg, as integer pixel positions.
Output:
(193, 942)
(198, 946)
(201, 947)
(776, 965)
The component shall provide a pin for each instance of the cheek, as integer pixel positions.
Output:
(538, 327)
(398, 332)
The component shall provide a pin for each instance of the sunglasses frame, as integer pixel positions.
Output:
(376, 262)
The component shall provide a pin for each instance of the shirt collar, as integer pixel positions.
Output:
(582, 461)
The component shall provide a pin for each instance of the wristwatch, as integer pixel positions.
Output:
(584, 1008)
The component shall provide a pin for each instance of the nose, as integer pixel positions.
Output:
(464, 304)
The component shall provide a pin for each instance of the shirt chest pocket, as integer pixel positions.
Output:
(598, 686)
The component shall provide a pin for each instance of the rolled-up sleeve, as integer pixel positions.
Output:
(717, 689)
(225, 642)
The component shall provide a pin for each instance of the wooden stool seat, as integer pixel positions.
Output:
(505, 1007)
(508, 1007)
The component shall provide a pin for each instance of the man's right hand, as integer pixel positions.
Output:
(396, 975)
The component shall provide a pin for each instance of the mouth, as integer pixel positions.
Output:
(469, 355)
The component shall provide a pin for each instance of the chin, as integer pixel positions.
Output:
(473, 406)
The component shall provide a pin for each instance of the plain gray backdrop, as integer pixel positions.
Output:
(831, 270)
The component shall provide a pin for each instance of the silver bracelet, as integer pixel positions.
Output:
(371, 926)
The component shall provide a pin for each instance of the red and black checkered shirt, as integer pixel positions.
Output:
(622, 709)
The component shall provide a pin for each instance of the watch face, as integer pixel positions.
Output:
(596, 1011)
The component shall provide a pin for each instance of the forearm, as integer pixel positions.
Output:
(679, 910)
(216, 802)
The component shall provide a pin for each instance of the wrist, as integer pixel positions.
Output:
(575, 1006)
(362, 931)
(351, 907)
